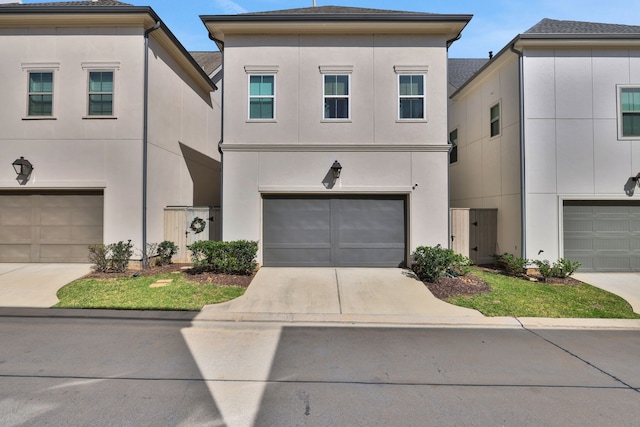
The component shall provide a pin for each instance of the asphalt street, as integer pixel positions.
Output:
(134, 371)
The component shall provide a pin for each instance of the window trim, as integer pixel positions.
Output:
(412, 70)
(41, 67)
(325, 97)
(336, 70)
(272, 97)
(620, 113)
(497, 119)
(261, 70)
(454, 146)
(90, 67)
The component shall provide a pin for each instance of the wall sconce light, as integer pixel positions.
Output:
(23, 168)
(631, 184)
(336, 168)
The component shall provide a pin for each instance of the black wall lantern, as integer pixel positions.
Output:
(23, 168)
(336, 168)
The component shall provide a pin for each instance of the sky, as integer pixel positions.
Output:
(494, 22)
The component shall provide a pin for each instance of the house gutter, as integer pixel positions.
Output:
(145, 141)
(523, 193)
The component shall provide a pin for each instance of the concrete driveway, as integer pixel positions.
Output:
(321, 294)
(36, 285)
(625, 285)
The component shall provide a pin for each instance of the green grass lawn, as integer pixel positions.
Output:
(522, 298)
(136, 293)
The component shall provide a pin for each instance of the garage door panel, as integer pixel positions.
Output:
(333, 231)
(49, 226)
(602, 235)
(15, 253)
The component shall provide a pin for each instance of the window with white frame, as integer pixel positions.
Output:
(100, 93)
(453, 140)
(40, 101)
(336, 96)
(262, 96)
(629, 112)
(411, 96)
(494, 123)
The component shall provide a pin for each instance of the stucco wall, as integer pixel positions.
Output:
(573, 151)
(487, 173)
(70, 150)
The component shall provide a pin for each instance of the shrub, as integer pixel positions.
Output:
(111, 258)
(99, 256)
(237, 257)
(561, 269)
(431, 263)
(513, 265)
(120, 254)
(166, 250)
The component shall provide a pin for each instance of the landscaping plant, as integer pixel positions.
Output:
(166, 250)
(111, 258)
(561, 269)
(238, 257)
(431, 263)
(513, 265)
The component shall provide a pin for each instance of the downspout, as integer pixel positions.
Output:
(220, 45)
(449, 236)
(523, 193)
(145, 141)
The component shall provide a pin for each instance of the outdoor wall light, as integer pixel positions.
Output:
(23, 168)
(631, 184)
(336, 168)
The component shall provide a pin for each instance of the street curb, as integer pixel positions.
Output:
(209, 317)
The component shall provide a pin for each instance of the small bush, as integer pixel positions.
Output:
(237, 257)
(99, 257)
(111, 258)
(166, 250)
(560, 269)
(513, 265)
(431, 263)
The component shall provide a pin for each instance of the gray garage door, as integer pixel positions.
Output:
(51, 226)
(334, 231)
(602, 236)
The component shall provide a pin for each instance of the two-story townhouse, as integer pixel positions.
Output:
(547, 132)
(108, 156)
(335, 133)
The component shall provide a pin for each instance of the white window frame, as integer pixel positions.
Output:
(336, 70)
(413, 70)
(111, 67)
(620, 113)
(41, 67)
(497, 119)
(261, 70)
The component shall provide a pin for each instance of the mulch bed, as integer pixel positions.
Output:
(204, 278)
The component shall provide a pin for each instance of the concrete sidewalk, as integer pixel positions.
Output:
(36, 285)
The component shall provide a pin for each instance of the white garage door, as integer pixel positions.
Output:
(49, 226)
(603, 235)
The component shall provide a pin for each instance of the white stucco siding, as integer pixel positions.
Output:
(573, 151)
(248, 175)
(487, 173)
(299, 99)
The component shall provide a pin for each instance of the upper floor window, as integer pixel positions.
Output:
(629, 112)
(101, 90)
(453, 140)
(411, 96)
(494, 122)
(40, 93)
(262, 96)
(336, 96)
(101, 93)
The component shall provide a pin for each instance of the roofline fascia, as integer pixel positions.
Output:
(331, 17)
(111, 10)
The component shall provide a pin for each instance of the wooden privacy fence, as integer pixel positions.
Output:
(474, 233)
(177, 227)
